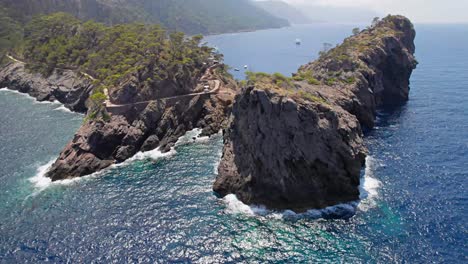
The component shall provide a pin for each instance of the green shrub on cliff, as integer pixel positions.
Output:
(331, 81)
(96, 105)
(310, 97)
(307, 76)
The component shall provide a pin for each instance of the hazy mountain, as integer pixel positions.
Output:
(284, 10)
(336, 14)
(190, 16)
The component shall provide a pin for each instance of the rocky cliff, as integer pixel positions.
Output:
(65, 86)
(143, 127)
(297, 143)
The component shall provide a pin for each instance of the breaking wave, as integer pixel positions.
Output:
(368, 193)
(64, 109)
(31, 97)
(41, 182)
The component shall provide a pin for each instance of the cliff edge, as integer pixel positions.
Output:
(296, 143)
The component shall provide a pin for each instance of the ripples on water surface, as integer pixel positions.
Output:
(164, 210)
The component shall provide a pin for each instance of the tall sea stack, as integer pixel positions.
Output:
(296, 143)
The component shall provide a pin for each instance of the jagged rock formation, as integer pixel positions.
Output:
(99, 144)
(65, 86)
(297, 144)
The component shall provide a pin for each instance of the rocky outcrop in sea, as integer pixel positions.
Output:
(298, 144)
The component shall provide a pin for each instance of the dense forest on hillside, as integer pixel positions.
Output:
(113, 54)
(10, 33)
(189, 16)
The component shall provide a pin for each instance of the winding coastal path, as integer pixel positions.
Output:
(216, 84)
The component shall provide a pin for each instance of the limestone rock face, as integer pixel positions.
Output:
(65, 86)
(300, 146)
(281, 153)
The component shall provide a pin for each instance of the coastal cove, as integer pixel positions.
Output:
(171, 214)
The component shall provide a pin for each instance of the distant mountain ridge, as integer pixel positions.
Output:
(284, 10)
(189, 16)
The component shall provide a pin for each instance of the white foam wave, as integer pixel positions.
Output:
(14, 91)
(368, 193)
(369, 186)
(30, 97)
(64, 109)
(153, 154)
(191, 136)
(55, 102)
(41, 182)
(235, 206)
(218, 161)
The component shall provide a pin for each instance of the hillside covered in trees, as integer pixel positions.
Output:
(148, 56)
(189, 16)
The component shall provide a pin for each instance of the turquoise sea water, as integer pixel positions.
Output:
(162, 209)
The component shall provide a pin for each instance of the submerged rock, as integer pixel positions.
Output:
(298, 144)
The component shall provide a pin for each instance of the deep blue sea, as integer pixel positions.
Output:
(158, 208)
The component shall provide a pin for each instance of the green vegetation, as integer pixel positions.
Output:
(113, 55)
(307, 76)
(331, 81)
(189, 16)
(10, 33)
(339, 65)
(350, 80)
(283, 85)
(311, 97)
(356, 31)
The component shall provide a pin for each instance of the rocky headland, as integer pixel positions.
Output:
(297, 143)
(132, 127)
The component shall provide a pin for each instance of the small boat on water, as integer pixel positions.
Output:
(298, 41)
(236, 69)
(245, 67)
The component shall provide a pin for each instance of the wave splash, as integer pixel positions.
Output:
(367, 199)
(41, 182)
(64, 109)
(55, 102)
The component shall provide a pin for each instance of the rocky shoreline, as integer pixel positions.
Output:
(64, 86)
(288, 143)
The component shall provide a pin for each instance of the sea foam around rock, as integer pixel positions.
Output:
(41, 182)
(368, 193)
